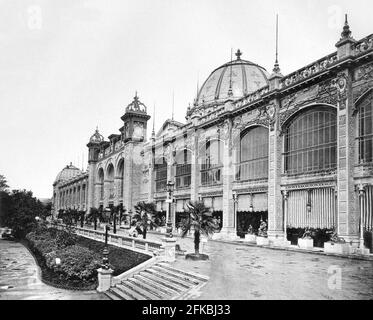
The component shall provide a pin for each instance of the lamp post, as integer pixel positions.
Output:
(105, 253)
(170, 189)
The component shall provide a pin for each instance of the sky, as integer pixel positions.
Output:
(67, 66)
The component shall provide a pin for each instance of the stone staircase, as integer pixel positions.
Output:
(159, 282)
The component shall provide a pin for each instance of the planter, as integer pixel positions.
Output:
(338, 248)
(306, 244)
(261, 241)
(162, 229)
(250, 237)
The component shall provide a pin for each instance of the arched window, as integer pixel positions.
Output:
(211, 163)
(311, 141)
(365, 127)
(253, 155)
(101, 181)
(121, 176)
(110, 177)
(183, 169)
(160, 175)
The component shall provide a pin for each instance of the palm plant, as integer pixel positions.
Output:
(145, 216)
(201, 221)
(94, 215)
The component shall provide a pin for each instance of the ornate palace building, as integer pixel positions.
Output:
(295, 149)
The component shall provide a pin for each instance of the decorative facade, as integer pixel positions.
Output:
(297, 149)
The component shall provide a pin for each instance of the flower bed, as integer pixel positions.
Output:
(71, 262)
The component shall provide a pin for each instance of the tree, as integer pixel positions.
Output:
(199, 219)
(144, 216)
(22, 210)
(93, 215)
(3, 183)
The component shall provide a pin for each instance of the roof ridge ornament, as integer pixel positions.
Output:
(346, 33)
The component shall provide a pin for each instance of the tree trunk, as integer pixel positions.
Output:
(196, 242)
(115, 224)
(144, 233)
(82, 221)
(95, 224)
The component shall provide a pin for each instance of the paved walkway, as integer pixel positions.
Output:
(239, 271)
(20, 280)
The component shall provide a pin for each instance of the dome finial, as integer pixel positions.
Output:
(238, 54)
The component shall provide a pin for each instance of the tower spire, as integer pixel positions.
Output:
(153, 131)
(346, 33)
(230, 92)
(276, 68)
(173, 104)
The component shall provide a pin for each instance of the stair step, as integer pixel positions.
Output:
(153, 277)
(112, 296)
(177, 275)
(188, 273)
(166, 291)
(169, 278)
(128, 288)
(122, 294)
(150, 292)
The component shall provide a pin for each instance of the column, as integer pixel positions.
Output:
(194, 179)
(228, 230)
(348, 213)
(275, 210)
(91, 187)
(362, 212)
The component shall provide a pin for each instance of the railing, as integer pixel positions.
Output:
(211, 176)
(183, 175)
(135, 244)
(363, 45)
(252, 169)
(310, 70)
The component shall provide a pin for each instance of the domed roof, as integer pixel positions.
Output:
(96, 137)
(136, 105)
(234, 80)
(67, 173)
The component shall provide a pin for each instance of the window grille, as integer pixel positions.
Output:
(183, 170)
(253, 155)
(311, 142)
(365, 138)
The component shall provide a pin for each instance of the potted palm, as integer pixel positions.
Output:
(306, 242)
(93, 216)
(250, 235)
(145, 216)
(262, 238)
(201, 221)
(337, 244)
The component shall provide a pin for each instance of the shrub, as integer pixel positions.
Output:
(77, 263)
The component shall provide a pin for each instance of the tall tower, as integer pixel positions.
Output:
(93, 150)
(135, 121)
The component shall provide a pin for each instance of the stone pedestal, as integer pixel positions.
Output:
(305, 244)
(362, 251)
(169, 249)
(339, 248)
(250, 238)
(104, 279)
(262, 241)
